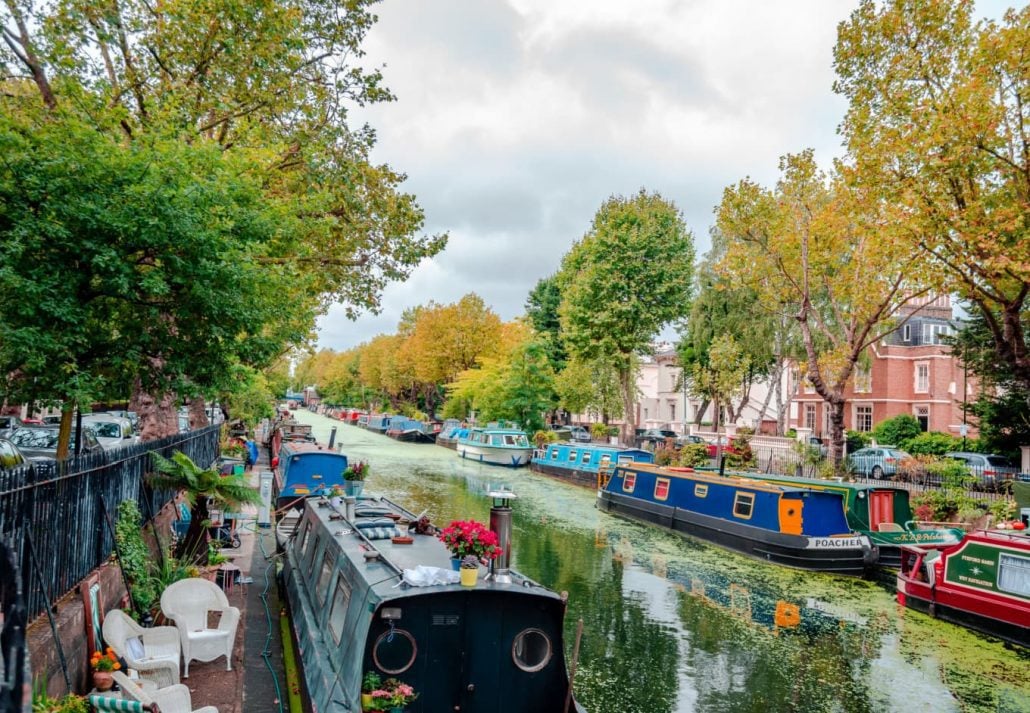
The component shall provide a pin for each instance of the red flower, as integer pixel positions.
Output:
(468, 537)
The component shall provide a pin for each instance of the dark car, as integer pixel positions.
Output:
(991, 470)
(8, 424)
(655, 437)
(41, 441)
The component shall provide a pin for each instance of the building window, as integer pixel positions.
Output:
(933, 333)
(922, 414)
(661, 489)
(672, 412)
(864, 418)
(863, 379)
(743, 505)
(906, 333)
(922, 377)
(810, 416)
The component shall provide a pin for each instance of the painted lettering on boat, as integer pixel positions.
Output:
(819, 543)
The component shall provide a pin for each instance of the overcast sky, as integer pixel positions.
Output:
(516, 119)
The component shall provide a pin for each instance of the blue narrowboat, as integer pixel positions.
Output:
(408, 430)
(798, 527)
(305, 469)
(364, 599)
(379, 422)
(450, 434)
(509, 447)
(583, 462)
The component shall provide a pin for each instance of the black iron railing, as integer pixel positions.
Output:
(52, 514)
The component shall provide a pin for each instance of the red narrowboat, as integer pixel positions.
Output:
(983, 583)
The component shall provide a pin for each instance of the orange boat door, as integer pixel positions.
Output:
(881, 507)
(790, 515)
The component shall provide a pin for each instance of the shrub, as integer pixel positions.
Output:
(931, 444)
(599, 431)
(950, 475)
(664, 456)
(858, 439)
(741, 456)
(135, 557)
(911, 470)
(693, 455)
(895, 430)
(542, 438)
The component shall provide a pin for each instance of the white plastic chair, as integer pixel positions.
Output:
(187, 603)
(171, 699)
(156, 654)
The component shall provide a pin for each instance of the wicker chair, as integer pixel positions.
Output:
(187, 603)
(171, 699)
(156, 654)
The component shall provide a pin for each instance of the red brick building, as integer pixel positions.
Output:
(910, 371)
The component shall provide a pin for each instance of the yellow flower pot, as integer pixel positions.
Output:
(469, 576)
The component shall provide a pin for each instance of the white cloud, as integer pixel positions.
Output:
(515, 120)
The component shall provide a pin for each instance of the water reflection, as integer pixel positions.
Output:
(673, 625)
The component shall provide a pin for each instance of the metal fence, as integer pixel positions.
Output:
(55, 515)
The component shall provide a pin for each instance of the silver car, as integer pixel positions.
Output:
(112, 431)
(990, 470)
(877, 461)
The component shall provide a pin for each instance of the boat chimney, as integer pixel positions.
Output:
(332, 437)
(500, 525)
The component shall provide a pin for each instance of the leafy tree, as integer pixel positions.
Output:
(937, 125)
(542, 310)
(200, 487)
(931, 444)
(251, 399)
(724, 375)
(589, 387)
(827, 249)
(894, 431)
(622, 282)
(528, 386)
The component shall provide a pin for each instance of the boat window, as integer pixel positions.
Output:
(323, 577)
(554, 454)
(586, 457)
(511, 441)
(339, 611)
(1014, 574)
(743, 505)
(661, 489)
(522, 441)
(573, 455)
(629, 481)
(606, 459)
(531, 650)
(700, 490)
(495, 440)
(305, 530)
(310, 555)
(394, 651)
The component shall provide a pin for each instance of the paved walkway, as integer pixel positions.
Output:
(257, 683)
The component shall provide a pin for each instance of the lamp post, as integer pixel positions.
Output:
(683, 380)
(965, 390)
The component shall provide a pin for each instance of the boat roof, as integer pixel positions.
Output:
(497, 429)
(819, 483)
(734, 480)
(385, 572)
(300, 447)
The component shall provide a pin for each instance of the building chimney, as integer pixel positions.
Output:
(501, 525)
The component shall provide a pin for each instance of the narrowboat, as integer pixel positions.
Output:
(798, 527)
(304, 469)
(360, 602)
(379, 422)
(509, 447)
(449, 436)
(583, 462)
(882, 513)
(287, 430)
(362, 420)
(982, 583)
(408, 430)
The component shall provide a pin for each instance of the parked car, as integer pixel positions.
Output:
(720, 443)
(10, 456)
(654, 437)
(578, 433)
(8, 424)
(51, 420)
(112, 431)
(991, 470)
(690, 440)
(819, 444)
(131, 415)
(877, 461)
(41, 441)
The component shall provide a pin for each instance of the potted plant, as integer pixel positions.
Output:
(103, 664)
(469, 571)
(468, 537)
(369, 683)
(355, 477)
(401, 694)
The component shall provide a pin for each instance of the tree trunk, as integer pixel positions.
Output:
(701, 409)
(198, 414)
(64, 435)
(157, 415)
(774, 378)
(194, 546)
(628, 389)
(836, 451)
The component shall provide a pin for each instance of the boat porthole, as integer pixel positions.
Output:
(394, 651)
(531, 650)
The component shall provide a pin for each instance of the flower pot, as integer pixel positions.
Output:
(366, 701)
(103, 680)
(456, 564)
(354, 487)
(469, 576)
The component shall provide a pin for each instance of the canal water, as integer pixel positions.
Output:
(676, 625)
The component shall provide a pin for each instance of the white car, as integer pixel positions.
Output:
(112, 431)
